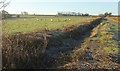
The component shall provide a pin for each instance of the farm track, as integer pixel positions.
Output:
(91, 55)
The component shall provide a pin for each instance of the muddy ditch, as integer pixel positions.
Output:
(59, 46)
(44, 49)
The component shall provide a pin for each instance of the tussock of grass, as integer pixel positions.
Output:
(111, 49)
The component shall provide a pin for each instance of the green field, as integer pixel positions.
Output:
(33, 24)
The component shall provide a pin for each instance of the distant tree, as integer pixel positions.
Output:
(34, 14)
(110, 14)
(107, 14)
(59, 14)
(5, 14)
(18, 16)
(101, 15)
(24, 13)
(86, 14)
(71, 14)
(82, 14)
(79, 14)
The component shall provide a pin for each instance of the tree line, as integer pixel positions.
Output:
(72, 14)
(5, 14)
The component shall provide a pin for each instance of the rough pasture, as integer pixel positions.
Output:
(33, 24)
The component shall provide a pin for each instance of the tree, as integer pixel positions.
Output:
(24, 13)
(18, 16)
(79, 14)
(5, 14)
(3, 4)
(107, 14)
(110, 14)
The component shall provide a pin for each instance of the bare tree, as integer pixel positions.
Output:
(3, 4)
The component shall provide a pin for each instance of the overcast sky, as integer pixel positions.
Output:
(54, 6)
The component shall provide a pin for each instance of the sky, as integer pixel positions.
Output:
(93, 7)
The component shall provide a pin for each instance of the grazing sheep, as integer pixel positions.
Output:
(69, 19)
(101, 23)
(51, 20)
(24, 19)
(37, 19)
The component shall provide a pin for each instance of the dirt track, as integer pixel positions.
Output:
(91, 54)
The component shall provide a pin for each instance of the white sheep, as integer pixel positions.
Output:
(69, 19)
(101, 23)
(24, 19)
(51, 20)
(37, 19)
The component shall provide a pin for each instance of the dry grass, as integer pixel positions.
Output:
(23, 50)
(115, 19)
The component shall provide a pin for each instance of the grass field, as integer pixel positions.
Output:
(25, 25)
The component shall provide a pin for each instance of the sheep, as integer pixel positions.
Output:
(101, 23)
(51, 20)
(69, 19)
(24, 19)
(37, 19)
